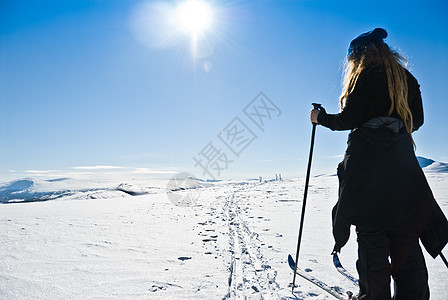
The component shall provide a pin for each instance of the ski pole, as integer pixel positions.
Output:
(305, 193)
(443, 258)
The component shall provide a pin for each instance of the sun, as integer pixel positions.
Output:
(194, 17)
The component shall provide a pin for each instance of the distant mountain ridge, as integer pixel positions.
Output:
(424, 162)
(430, 166)
(34, 190)
(23, 190)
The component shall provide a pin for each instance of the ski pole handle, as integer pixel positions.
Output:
(316, 105)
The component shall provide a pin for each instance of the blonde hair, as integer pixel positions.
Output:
(395, 67)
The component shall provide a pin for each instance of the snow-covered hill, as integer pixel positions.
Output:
(431, 166)
(35, 190)
(38, 190)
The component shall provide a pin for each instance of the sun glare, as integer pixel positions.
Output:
(164, 24)
(194, 17)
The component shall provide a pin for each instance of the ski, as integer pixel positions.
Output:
(336, 292)
(343, 271)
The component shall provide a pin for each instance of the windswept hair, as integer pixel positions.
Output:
(395, 66)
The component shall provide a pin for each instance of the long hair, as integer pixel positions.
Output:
(395, 67)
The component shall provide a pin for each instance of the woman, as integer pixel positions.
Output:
(382, 189)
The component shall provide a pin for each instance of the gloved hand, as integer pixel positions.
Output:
(322, 110)
(341, 235)
(314, 113)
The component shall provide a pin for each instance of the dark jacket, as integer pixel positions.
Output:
(370, 99)
(381, 185)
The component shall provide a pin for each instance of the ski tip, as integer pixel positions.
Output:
(291, 262)
(336, 260)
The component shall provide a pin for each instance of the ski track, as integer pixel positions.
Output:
(250, 275)
(237, 230)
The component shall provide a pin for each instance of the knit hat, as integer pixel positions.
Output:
(375, 36)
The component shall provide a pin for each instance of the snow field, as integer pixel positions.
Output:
(232, 244)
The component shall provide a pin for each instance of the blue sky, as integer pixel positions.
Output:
(81, 94)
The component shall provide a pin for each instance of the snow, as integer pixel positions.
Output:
(232, 243)
(437, 167)
(431, 166)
